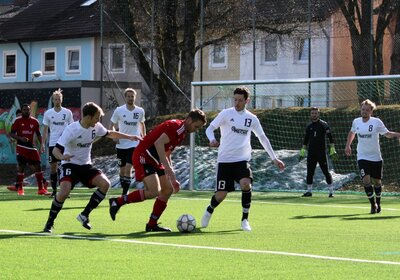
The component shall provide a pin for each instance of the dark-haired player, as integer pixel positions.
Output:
(153, 166)
(74, 150)
(234, 153)
(23, 130)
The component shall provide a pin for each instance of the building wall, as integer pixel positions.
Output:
(34, 52)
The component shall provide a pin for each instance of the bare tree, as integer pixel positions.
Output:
(366, 46)
(176, 36)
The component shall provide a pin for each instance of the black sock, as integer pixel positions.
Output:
(54, 210)
(125, 183)
(246, 203)
(378, 192)
(53, 179)
(370, 194)
(213, 204)
(94, 201)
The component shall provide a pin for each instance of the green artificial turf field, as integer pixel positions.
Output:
(292, 238)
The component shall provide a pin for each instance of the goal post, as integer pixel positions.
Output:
(282, 105)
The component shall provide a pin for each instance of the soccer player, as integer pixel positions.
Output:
(73, 148)
(314, 145)
(55, 120)
(23, 130)
(234, 153)
(153, 166)
(369, 156)
(128, 119)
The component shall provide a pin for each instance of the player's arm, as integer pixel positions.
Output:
(113, 126)
(268, 148)
(392, 134)
(119, 135)
(14, 135)
(58, 152)
(160, 147)
(44, 138)
(211, 137)
(39, 137)
(259, 132)
(143, 129)
(350, 138)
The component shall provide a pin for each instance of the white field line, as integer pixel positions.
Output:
(46, 235)
(294, 204)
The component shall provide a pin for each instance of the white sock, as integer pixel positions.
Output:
(309, 188)
(330, 187)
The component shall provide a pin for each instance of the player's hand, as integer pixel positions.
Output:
(332, 153)
(302, 153)
(42, 149)
(176, 186)
(347, 151)
(67, 157)
(136, 138)
(279, 164)
(214, 143)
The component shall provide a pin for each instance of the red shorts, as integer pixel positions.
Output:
(27, 155)
(144, 166)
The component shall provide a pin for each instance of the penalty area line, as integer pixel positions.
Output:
(266, 252)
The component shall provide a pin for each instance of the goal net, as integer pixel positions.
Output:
(283, 107)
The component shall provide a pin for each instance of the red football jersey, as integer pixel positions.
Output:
(174, 129)
(26, 127)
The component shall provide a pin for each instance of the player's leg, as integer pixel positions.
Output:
(364, 167)
(57, 204)
(102, 183)
(53, 161)
(40, 178)
(245, 185)
(225, 183)
(151, 187)
(378, 192)
(245, 176)
(160, 204)
(20, 175)
(121, 155)
(323, 164)
(311, 165)
(376, 177)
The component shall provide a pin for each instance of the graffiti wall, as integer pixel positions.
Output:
(40, 101)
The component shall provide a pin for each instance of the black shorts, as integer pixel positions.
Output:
(372, 168)
(124, 156)
(149, 169)
(230, 172)
(52, 158)
(78, 173)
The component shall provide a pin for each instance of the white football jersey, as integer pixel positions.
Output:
(368, 147)
(128, 122)
(57, 122)
(77, 141)
(236, 128)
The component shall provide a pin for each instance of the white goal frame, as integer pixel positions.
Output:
(272, 81)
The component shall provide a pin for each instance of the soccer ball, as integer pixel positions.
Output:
(186, 223)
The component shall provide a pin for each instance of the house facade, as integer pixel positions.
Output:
(51, 44)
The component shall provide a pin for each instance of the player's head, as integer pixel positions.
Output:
(92, 113)
(130, 96)
(57, 97)
(25, 110)
(241, 98)
(195, 120)
(314, 113)
(367, 107)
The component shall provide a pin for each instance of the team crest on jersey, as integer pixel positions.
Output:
(31, 125)
(232, 120)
